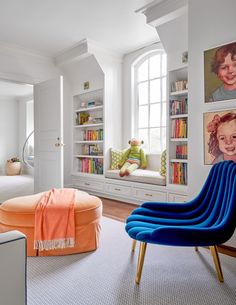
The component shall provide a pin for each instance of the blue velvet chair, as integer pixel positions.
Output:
(207, 220)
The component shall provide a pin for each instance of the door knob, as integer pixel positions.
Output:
(59, 144)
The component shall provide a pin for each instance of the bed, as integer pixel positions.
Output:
(14, 186)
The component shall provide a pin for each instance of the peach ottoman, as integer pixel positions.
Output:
(18, 214)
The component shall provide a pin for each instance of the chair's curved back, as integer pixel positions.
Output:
(216, 193)
(223, 215)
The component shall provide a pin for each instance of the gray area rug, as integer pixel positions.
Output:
(171, 275)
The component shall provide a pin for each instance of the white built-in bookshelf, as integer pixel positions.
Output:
(178, 127)
(88, 134)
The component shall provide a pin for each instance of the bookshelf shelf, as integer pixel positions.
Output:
(178, 139)
(179, 160)
(178, 128)
(180, 92)
(88, 125)
(89, 109)
(177, 116)
(89, 156)
(87, 142)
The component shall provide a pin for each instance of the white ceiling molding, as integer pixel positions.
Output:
(83, 49)
(77, 52)
(158, 13)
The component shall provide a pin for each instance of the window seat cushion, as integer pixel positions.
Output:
(139, 175)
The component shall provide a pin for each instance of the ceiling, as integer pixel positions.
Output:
(50, 27)
(12, 90)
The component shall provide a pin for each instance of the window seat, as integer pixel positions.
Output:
(139, 175)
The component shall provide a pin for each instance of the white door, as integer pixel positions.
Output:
(48, 135)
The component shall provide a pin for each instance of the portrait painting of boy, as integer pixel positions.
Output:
(220, 73)
(219, 136)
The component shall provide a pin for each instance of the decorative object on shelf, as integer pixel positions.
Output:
(179, 85)
(219, 136)
(163, 164)
(133, 158)
(91, 103)
(83, 104)
(95, 150)
(185, 57)
(82, 118)
(86, 85)
(220, 73)
(116, 158)
(13, 167)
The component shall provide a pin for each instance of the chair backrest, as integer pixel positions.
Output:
(201, 205)
(221, 212)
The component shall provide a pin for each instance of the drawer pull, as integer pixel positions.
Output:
(149, 195)
(117, 189)
(87, 183)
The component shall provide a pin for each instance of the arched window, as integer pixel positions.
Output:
(150, 101)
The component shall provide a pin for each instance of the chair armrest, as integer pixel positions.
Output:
(13, 268)
(11, 236)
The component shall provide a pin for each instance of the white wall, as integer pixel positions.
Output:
(211, 23)
(128, 98)
(216, 28)
(8, 131)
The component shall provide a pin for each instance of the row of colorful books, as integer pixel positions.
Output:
(179, 173)
(93, 135)
(179, 106)
(179, 128)
(181, 151)
(91, 166)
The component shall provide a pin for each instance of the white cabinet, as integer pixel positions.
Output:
(149, 195)
(88, 134)
(178, 127)
(173, 197)
(88, 184)
(117, 189)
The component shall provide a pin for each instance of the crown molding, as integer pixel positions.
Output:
(84, 49)
(160, 12)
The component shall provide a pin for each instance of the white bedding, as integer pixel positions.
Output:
(14, 186)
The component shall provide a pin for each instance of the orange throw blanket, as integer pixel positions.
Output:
(55, 220)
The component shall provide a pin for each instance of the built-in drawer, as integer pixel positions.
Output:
(89, 184)
(149, 195)
(118, 189)
(172, 197)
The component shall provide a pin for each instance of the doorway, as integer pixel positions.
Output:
(16, 124)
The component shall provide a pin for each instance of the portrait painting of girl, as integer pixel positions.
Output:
(220, 136)
(220, 73)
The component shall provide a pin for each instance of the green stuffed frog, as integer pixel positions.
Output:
(133, 158)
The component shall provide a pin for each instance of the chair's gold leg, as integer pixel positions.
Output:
(142, 251)
(134, 245)
(216, 259)
(196, 249)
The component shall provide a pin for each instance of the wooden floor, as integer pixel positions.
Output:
(116, 209)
